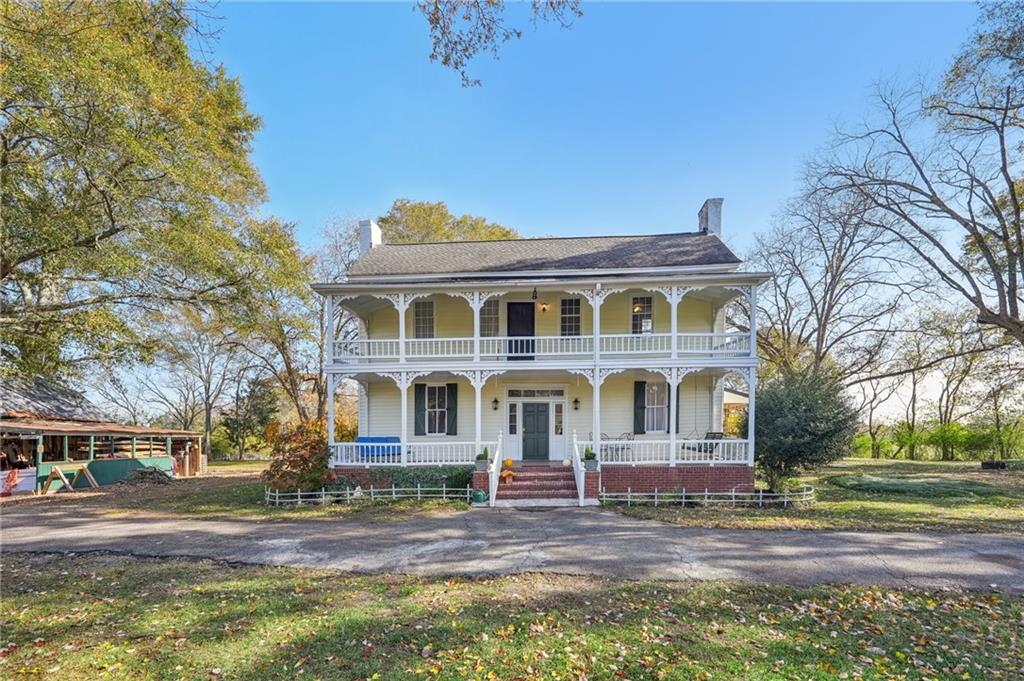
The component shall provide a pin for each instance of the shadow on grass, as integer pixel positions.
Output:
(130, 618)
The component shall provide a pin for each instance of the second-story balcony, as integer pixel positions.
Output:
(543, 324)
(519, 348)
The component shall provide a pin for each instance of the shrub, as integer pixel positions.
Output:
(803, 420)
(425, 476)
(299, 459)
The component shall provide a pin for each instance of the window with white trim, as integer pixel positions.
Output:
(570, 324)
(423, 319)
(656, 410)
(513, 420)
(559, 418)
(489, 318)
(643, 316)
(437, 409)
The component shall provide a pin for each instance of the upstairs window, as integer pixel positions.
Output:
(437, 410)
(570, 325)
(656, 411)
(489, 318)
(643, 320)
(423, 319)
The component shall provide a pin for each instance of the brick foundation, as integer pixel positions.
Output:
(668, 478)
(612, 478)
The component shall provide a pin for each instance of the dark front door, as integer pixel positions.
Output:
(520, 323)
(535, 431)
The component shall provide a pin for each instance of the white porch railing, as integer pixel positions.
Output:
(639, 452)
(418, 348)
(578, 471)
(493, 470)
(732, 344)
(535, 346)
(517, 347)
(417, 454)
(366, 350)
(636, 343)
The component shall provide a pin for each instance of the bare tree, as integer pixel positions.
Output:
(872, 396)
(943, 171)
(179, 397)
(201, 353)
(124, 398)
(836, 288)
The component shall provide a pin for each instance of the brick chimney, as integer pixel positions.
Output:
(369, 236)
(709, 217)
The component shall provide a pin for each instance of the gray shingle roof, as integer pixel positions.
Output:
(572, 253)
(43, 399)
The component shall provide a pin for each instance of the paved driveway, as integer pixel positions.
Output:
(566, 541)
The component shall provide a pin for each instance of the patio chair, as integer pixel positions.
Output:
(706, 447)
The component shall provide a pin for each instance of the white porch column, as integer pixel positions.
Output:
(596, 416)
(753, 320)
(475, 303)
(403, 386)
(331, 385)
(751, 409)
(674, 379)
(401, 306)
(330, 334)
(673, 302)
(595, 304)
(477, 415)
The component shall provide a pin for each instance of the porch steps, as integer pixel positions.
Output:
(537, 483)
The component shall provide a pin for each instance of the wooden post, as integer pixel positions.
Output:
(133, 445)
(92, 447)
(65, 447)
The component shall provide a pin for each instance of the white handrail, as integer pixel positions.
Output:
(492, 473)
(639, 452)
(369, 454)
(518, 347)
(578, 471)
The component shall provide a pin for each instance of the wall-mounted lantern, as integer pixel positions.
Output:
(494, 404)
(576, 404)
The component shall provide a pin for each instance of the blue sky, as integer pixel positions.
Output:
(625, 123)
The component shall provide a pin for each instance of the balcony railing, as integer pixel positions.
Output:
(497, 348)
(417, 454)
(640, 452)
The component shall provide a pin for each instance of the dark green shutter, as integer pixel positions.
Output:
(639, 407)
(452, 398)
(419, 408)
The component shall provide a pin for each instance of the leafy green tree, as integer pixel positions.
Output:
(803, 420)
(254, 409)
(124, 165)
(417, 221)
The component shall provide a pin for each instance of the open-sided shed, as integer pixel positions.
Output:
(69, 442)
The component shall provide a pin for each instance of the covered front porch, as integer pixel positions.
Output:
(643, 416)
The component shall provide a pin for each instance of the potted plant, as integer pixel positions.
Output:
(589, 459)
(482, 460)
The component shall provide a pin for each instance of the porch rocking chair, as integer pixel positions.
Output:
(707, 447)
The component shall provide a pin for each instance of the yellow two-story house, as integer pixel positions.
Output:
(541, 350)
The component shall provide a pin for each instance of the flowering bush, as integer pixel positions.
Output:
(299, 459)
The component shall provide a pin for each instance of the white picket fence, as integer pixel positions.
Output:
(684, 497)
(349, 495)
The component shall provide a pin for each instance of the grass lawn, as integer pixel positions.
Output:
(226, 495)
(239, 466)
(100, 616)
(865, 494)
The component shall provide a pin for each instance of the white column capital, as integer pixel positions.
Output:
(674, 375)
(479, 377)
(402, 379)
(673, 294)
